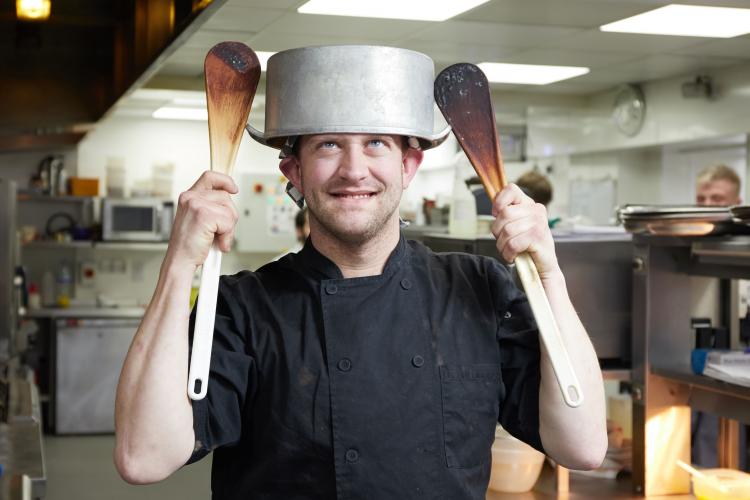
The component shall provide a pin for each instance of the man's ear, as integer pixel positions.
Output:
(412, 159)
(289, 166)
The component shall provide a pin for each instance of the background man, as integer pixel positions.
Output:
(718, 185)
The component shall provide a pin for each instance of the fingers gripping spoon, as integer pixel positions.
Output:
(463, 95)
(232, 72)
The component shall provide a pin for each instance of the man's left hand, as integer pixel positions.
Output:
(521, 226)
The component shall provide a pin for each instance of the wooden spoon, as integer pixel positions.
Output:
(463, 95)
(232, 72)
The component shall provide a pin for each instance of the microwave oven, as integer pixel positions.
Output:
(136, 219)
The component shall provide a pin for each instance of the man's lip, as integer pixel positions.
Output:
(353, 193)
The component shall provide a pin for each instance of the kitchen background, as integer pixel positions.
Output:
(104, 124)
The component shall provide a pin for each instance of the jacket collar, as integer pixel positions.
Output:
(321, 267)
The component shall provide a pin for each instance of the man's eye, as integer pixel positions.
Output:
(376, 142)
(328, 145)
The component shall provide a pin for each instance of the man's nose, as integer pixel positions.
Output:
(353, 164)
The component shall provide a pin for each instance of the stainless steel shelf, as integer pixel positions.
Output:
(86, 312)
(57, 244)
(159, 246)
(37, 198)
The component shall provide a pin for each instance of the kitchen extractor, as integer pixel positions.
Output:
(89, 356)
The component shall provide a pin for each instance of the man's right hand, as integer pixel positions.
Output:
(204, 212)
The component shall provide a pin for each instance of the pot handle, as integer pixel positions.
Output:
(257, 135)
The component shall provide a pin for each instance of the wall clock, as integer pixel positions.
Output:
(629, 110)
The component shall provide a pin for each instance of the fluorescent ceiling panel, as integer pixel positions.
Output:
(417, 10)
(686, 20)
(529, 74)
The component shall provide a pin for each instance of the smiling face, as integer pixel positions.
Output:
(352, 183)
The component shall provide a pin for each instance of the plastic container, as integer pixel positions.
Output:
(515, 465)
(84, 186)
(735, 483)
(162, 176)
(116, 177)
(64, 285)
(462, 220)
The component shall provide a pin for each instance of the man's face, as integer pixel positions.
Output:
(719, 193)
(352, 183)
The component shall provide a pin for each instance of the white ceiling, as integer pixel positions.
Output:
(560, 32)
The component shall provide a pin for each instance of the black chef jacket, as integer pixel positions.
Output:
(379, 387)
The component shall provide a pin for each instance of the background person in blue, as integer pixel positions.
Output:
(364, 366)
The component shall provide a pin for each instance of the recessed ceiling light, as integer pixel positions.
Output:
(177, 113)
(419, 10)
(686, 20)
(529, 74)
(263, 58)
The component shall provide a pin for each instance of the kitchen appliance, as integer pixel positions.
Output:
(88, 359)
(136, 219)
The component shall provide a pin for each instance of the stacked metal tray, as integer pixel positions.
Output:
(741, 214)
(677, 220)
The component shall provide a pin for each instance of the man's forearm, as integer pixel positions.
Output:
(153, 415)
(574, 437)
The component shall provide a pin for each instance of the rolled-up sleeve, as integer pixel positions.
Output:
(217, 418)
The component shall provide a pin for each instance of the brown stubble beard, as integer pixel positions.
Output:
(324, 216)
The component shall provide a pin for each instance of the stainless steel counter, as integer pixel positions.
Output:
(21, 453)
(86, 312)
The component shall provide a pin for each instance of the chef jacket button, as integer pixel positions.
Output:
(417, 361)
(345, 364)
(405, 284)
(331, 289)
(507, 315)
(352, 455)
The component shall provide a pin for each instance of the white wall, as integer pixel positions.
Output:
(143, 142)
(670, 118)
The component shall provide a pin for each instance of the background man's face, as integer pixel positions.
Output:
(720, 193)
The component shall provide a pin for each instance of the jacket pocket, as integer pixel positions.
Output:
(471, 397)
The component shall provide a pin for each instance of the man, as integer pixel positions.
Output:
(536, 186)
(718, 185)
(364, 366)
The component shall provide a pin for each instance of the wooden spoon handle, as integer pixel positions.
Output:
(462, 93)
(203, 331)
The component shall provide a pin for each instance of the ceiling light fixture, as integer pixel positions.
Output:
(686, 20)
(529, 74)
(417, 10)
(33, 10)
(177, 113)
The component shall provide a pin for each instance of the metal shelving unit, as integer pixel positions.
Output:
(664, 387)
(160, 246)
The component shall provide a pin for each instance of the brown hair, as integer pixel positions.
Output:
(537, 186)
(717, 173)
